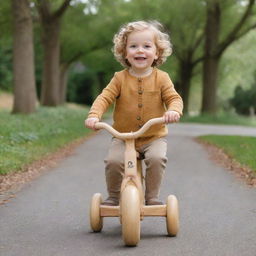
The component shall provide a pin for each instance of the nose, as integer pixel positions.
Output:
(140, 49)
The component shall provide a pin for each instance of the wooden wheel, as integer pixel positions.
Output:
(172, 215)
(130, 214)
(95, 219)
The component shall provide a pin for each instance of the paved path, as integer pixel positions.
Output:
(49, 216)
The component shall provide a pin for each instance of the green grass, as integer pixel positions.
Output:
(241, 148)
(220, 118)
(26, 138)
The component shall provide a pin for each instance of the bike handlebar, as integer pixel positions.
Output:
(129, 135)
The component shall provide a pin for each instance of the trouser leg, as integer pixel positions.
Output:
(114, 167)
(155, 160)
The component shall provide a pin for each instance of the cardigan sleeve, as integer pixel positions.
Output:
(170, 97)
(105, 99)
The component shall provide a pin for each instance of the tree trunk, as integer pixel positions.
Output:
(63, 82)
(211, 61)
(23, 59)
(51, 23)
(50, 91)
(210, 81)
(185, 72)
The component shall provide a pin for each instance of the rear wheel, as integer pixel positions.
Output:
(130, 215)
(95, 219)
(172, 215)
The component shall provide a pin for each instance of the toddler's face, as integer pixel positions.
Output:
(141, 50)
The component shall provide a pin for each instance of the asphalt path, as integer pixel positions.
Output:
(49, 216)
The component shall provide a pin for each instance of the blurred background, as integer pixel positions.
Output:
(58, 51)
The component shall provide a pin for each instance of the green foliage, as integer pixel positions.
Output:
(81, 87)
(5, 20)
(237, 66)
(5, 67)
(5, 46)
(24, 139)
(242, 148)
(244, 99)
(220, 118)
(76, 36)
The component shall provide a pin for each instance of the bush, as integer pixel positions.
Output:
(81, 88)
(244, 100)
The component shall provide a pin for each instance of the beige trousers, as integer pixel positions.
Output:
(155, 160)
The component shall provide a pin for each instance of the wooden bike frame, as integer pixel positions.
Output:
(131, 209)
(133, 170)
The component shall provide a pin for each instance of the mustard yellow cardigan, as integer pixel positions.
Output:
(136, 101)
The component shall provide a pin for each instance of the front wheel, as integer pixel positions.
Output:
(172, 215)
(130, 215)
(95, 218)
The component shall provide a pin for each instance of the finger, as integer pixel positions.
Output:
(164, 116)
(87, 124)
(91, 125)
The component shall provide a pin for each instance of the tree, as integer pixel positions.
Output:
(215, 45)
(23, 58)
(51, 27)
(188, 37)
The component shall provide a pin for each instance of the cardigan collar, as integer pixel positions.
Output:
(141, 78)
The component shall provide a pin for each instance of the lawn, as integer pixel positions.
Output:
(24, 139)
(221, 118)
(241, 148)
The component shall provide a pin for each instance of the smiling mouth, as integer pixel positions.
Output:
(139, 58)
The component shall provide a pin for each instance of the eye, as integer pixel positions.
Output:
(147, 46)
(132, 46)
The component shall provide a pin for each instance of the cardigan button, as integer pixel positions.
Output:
(140, 105)
(140, 91)
(140, 125)
(138, 118)
(139, 80)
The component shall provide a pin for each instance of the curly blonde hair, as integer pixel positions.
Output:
(162, 41)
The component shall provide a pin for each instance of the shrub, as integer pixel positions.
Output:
(244, 100)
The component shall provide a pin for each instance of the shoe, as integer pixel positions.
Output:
(111, 201)
(153, 201)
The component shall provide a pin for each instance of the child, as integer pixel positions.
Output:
(140, 92)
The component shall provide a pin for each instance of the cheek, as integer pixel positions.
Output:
(127, 54)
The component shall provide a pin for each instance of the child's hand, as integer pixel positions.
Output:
(171, 116)
(90, 122)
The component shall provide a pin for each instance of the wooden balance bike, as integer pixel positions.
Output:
(132, 208)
